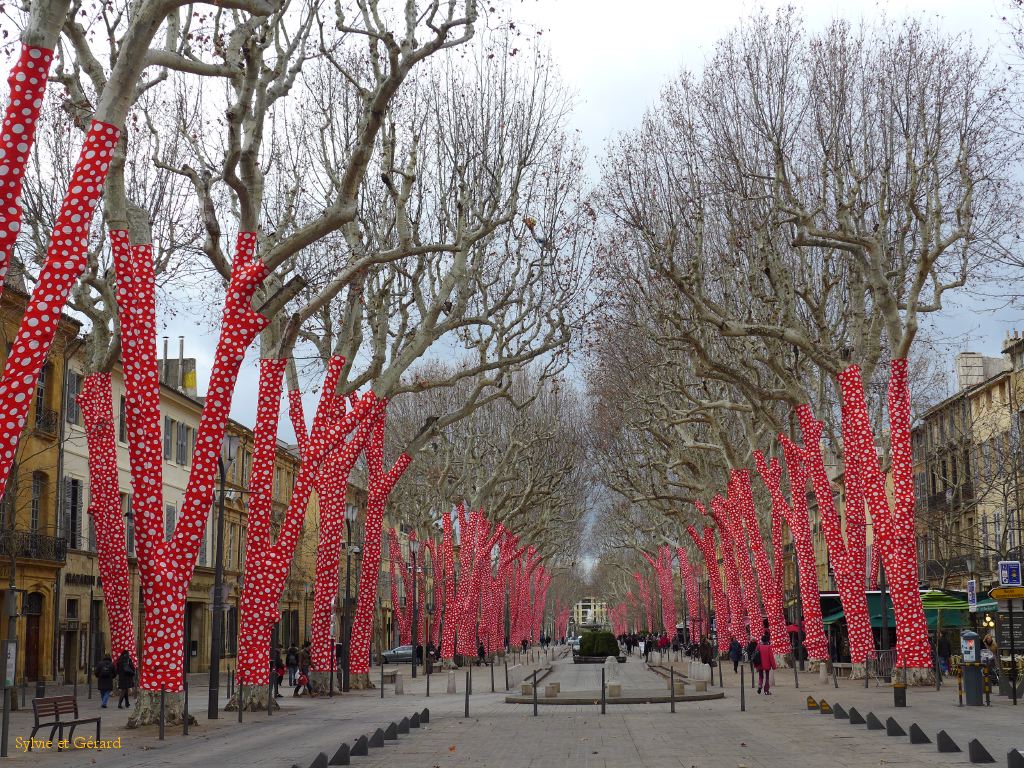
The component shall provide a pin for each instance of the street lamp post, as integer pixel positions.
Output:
(974, 614)
(414, 546)
(229, 446)
(351, 512)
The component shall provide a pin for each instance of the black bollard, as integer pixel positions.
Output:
(382, 678)
(506, 679)
(24, 691)
(428, 686)
(535, 692)
(270, 694)
(163, 691)
(492, 675)
(796, 675)
(720, 683)
(671, 688)
(184, 724)
(467, 688)
(603, 698)
(743, 697)
(240, 700)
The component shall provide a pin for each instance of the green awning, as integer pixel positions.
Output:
(832, 618)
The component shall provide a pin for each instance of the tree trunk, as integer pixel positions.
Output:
(254, 698)
(147, 709)
(96, 403)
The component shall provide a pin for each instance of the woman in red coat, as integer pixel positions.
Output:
(767, 659)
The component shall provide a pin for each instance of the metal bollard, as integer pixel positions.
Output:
(506, 675)
(796, 675)
(743, 697)
(270, 694)
(184, 722)
(672, 688)
(469, 678)
(603, 698)
(492, 675)
(988, 686)
(163, 691)
(468, 683)
(428, 686)
(382, 678)
(960, 686)
(535, 692)
(24, 692)
(240, 701)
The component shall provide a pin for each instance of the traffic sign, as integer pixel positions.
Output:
(972, 595)
(1007, 593)
(1009, 573)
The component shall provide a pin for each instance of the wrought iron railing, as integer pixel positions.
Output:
(34, 546)
(47, 421)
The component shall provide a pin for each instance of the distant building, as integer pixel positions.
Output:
(590, 611)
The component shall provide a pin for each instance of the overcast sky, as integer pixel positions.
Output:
(616, 56)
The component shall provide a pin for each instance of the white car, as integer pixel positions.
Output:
(574, 643)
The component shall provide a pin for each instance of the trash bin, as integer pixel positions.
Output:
(40, 689)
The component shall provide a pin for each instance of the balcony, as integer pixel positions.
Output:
(34, 546)
(47, 421)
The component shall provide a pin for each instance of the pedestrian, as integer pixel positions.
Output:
(735, 654)
(305, 663)
(125, 678)
(105, 674)
(526, 644)
(481, 652)
(291, 659)
(276, 670)
(765, 655)
(945, 654)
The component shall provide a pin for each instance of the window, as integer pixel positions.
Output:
(122, 420)
(72, 413)
(204, 544)
(38, 500)
(129, 523)
(73, 511)
(41, 382)
(182, 445)
(230, 554)
(72, 609)
(169, 424)
(170, 518)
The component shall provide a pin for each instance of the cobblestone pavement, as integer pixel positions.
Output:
(774, 731)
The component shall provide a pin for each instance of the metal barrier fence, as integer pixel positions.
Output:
(880, 667)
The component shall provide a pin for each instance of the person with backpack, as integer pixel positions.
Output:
(291, 660)
(105, 674)
(735, 654)
(125, 678)
(764, 661)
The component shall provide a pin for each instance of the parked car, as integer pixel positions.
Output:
(574, 643)
(396, 654)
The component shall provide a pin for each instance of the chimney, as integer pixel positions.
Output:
(165, 373)
(180, 385)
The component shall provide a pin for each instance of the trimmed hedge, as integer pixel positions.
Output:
(599, 644)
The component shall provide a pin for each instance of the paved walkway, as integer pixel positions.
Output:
(774, 732)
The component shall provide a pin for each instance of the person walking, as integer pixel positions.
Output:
(735, 654)
(125, 678)
(276, 670)
(481, 653)
(945, 654)
(291, 659)
(305, 662)
(765, 663)
(105, 674)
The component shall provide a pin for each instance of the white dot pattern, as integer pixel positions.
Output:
(166, 566)
(663, 573)
(380, 484)
(96, 402)
(65, 260)
(27, 83)
(694, 621)
(705, 542)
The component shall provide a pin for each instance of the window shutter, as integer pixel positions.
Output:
(168, 437)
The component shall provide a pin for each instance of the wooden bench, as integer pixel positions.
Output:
(48, 711)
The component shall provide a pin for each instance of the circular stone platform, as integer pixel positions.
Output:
(594, 697)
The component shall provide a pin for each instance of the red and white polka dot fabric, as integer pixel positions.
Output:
(381, 484)
(849, 571)
(450, 611)
(694, 619)
(736, 608)
(893, 526)
(706, 544)
(797, 519)
(166, 566)
(27, 83)
(96, 402)
(396, 569)
(663, 573)
(746, 526)
(65, 260)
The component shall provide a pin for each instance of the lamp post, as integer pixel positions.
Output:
(228, 447)
(414, 546)
(351, 513)
(974, 613)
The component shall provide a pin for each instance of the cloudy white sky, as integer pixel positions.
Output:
(615, 56)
